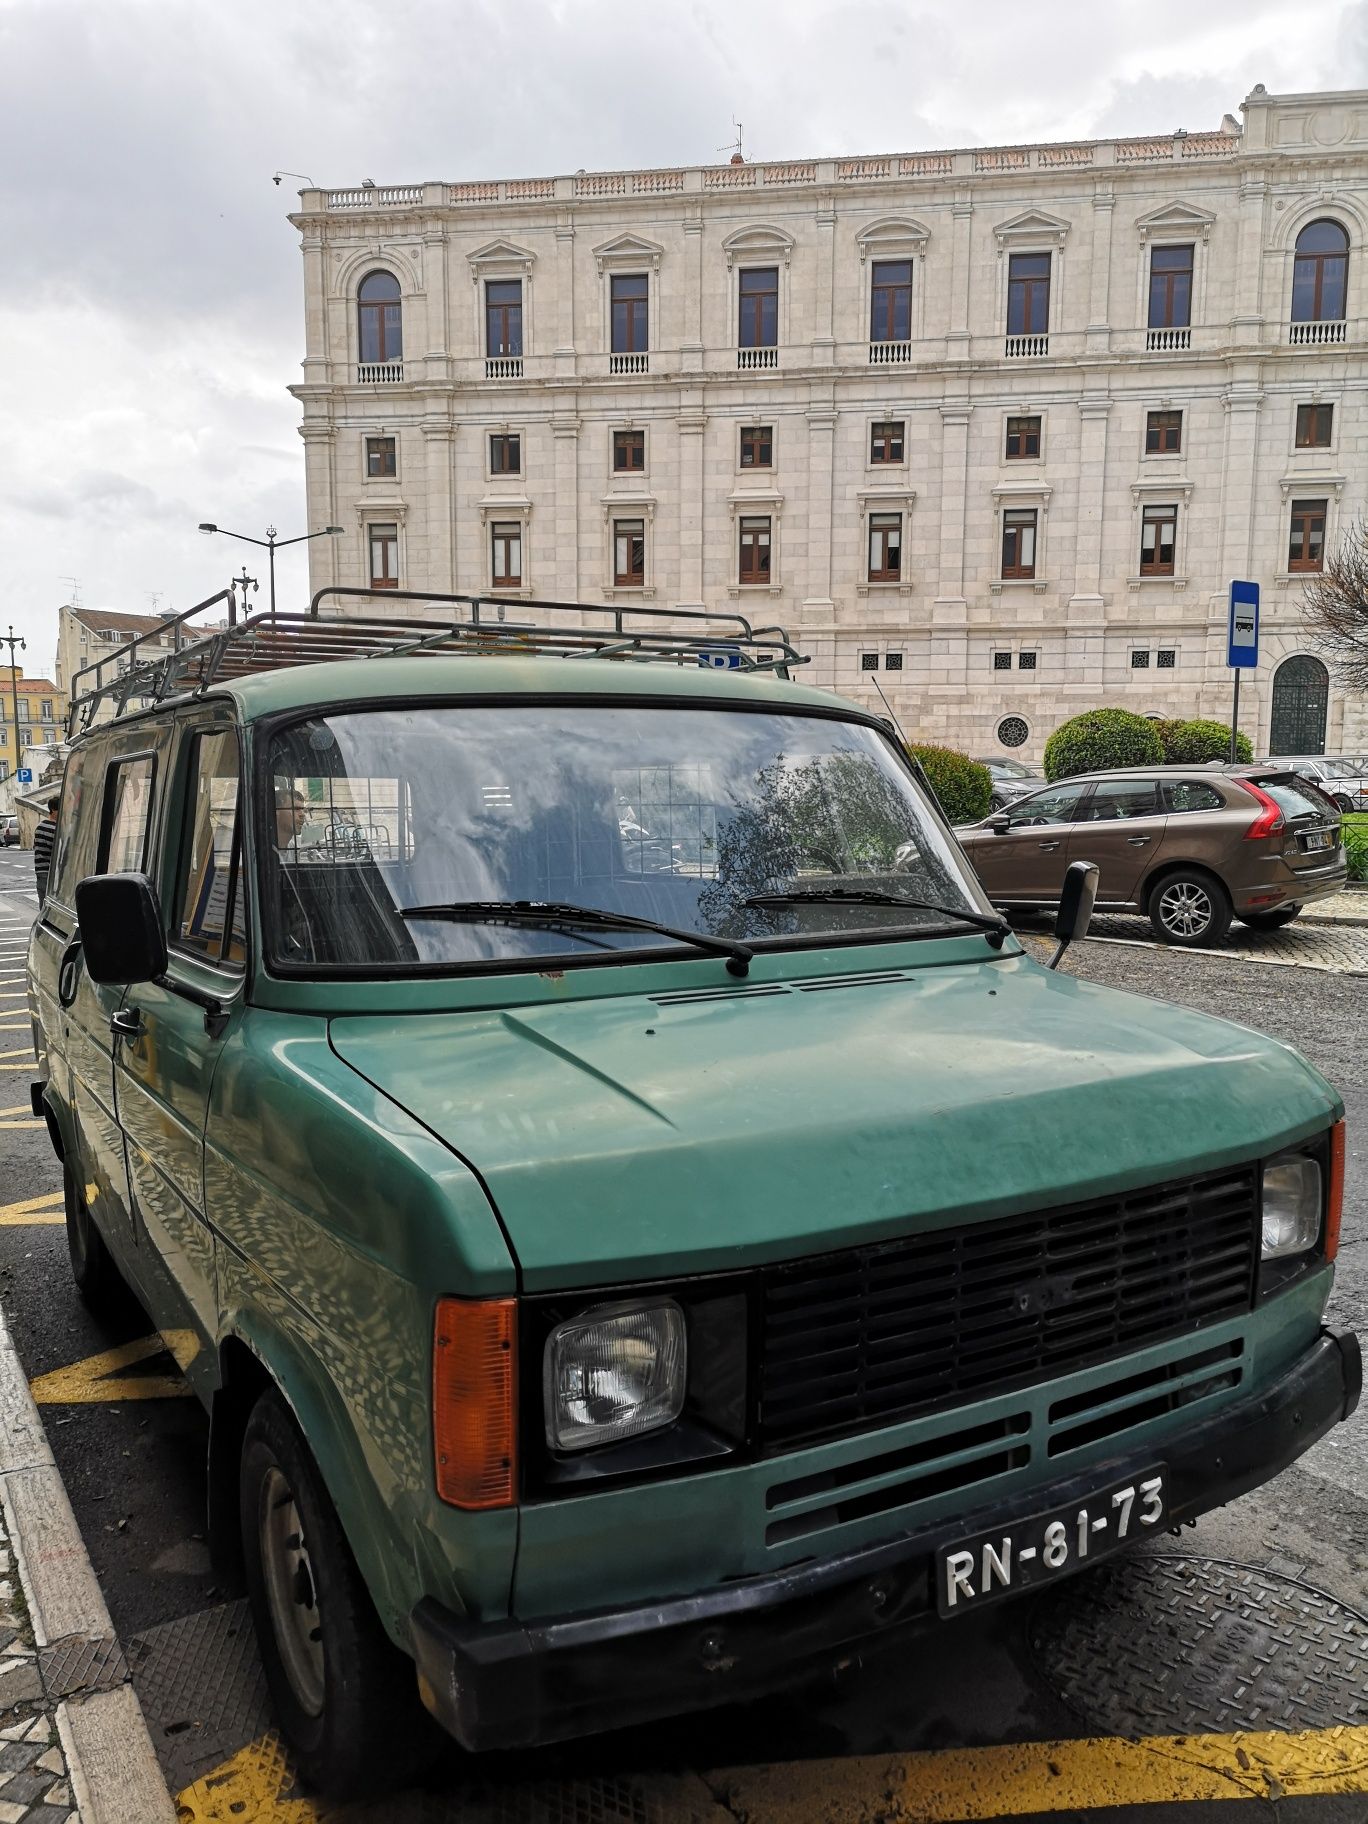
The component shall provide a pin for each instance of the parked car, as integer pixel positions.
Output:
(620, 1288)
(1343, 780)
(1192, 847)
(1012, 779)
(9, 829)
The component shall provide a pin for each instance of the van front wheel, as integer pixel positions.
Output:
(345, 1697)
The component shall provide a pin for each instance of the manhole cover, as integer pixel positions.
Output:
(1165, 1645)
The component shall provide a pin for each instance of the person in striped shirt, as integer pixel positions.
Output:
(43, 838)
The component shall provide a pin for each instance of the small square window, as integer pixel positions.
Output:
(505, 453)
(1166, 658)
(1163, 433)
(893, 661)
(886, 441)
(1002, 661)
(1314, 426)
(869, 661)
(381, 459)
(1023, 438)
(1139, 658)
(629, 451)
(1026, 661)
(757, 446)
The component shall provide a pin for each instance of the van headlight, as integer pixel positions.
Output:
(614, 1372)
(1291, 1205)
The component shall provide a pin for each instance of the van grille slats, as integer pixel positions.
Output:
(858, 1339)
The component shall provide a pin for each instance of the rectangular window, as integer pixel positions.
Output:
(1158, 539)
(629, 451)
(757, 446)
(885, 547)
(630, 313)
(890, 306)
(1028, 294)
(381, 458)
(1023, 438)
(503, 317)
(893, 661)
(1019, 541)
(208, 917)
(506, 549)
(505, 453)
(45, 709)
(1002, 661)
(1306, 549)
(384, 557)
(629, 553)
(1170, 293)
(758, 307)
(1026, 661)
(755, 551)
(1139, 658)
(1314, 425)
(1166, 658)
(869, 661)
(886, 440)
(127, 814)
(1163, 433)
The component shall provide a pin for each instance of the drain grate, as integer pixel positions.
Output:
(1168, 1645)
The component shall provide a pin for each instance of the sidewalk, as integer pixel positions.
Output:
(1349, 908)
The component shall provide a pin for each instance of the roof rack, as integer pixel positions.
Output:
(482, 625)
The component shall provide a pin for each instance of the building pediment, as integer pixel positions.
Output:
(501, 256)
(1035, 226)
(893, 237)
(758, 242)
(1176, 222)
(626, 250)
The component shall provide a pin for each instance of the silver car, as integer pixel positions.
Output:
(1343, 780)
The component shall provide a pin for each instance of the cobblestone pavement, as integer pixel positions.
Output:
(1317, 944)
(34, 1788)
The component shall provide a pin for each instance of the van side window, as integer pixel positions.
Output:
(70, 820)
(127, 815)
(208, 918)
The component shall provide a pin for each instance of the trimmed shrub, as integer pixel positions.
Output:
(1099, 739)
(1194, 743)
(1356, 846)
(963, 788)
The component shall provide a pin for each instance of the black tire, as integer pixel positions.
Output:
(98, 1280)
(346, 1698)
(1344, 801)
(1270, 921)
(1188, 906)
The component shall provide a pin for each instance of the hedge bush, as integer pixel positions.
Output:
(962, 786)
(1356, 846)
(1194, 743)
(1099, 739)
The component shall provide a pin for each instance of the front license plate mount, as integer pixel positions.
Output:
(1004, 1559)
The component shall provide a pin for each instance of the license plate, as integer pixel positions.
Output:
(1006, 1559)
(1318, 839)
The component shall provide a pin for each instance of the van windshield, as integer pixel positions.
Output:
(676, 815)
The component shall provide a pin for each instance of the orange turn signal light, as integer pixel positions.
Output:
(474, 1401)
(1334, 1203)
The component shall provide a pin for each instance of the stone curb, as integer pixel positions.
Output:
(110, 1759)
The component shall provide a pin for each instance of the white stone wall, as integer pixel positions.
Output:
(1098, 208)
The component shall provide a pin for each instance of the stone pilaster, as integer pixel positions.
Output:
(692, 422)
(439, 437)
(1099, 302)
(565, 430)
(1085, 604)
(950, 608)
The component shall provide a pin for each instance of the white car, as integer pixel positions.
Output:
(1344, 780)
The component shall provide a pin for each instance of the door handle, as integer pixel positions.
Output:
(1138, 842)
(1049, 845)
(69, 973)
(127, 1023)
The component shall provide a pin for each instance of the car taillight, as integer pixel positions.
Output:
(1270, 818)
(474, 1401)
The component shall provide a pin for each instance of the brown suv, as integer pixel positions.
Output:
(1191, 847)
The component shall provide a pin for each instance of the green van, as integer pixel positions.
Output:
(642, 1226)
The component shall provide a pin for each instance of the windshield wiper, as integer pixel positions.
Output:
(554, 915)
(996, 928)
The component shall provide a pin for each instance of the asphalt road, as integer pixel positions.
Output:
(134, 1465)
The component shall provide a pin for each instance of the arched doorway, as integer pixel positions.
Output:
(1301, 696)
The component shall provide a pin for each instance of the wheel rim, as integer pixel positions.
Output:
(291, 1593)
(1185, 908)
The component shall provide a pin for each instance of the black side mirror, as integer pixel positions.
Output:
(121, 928)
(999, 823)
(1075, 906)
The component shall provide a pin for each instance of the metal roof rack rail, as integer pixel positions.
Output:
(482, 625)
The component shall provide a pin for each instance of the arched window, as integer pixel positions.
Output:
(381, 318)
(1320, 275)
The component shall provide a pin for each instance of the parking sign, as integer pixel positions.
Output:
(1242, 646)
(25, 775)
(720, 658)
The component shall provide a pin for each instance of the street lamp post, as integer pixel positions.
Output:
(271, 544)
(11, 639)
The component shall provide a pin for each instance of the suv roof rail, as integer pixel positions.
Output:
(481, 625)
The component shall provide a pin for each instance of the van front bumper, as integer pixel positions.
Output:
(510, 1684)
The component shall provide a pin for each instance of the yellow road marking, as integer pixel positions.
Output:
(20, 1108)
(256, 1784)
(1033, 1779)
(100, 1378)
(32, 1209)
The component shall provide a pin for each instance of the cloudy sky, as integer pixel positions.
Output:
(151, 301)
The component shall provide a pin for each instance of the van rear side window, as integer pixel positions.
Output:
(127, 815)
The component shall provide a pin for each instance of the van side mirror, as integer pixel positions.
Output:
(1075, 906)
(999, 823)
(121, 929)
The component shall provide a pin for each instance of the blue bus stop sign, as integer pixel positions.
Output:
(1242, 646)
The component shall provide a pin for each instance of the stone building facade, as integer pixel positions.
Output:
(995, 428)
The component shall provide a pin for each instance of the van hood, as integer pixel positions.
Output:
(638, 1138)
